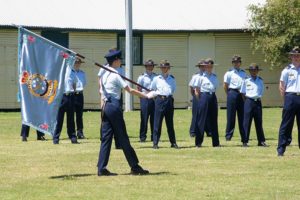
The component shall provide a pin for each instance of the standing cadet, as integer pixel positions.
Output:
(120, 70)
(290, 82)
(253, 89)
(113, 122)
(79, 99)
(200, 65)
(147, 105)
(205, 88)
(67, 105)
(233, 80)
(25, 133)
(164, 86)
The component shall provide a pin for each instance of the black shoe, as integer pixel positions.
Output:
(142, 140)
(42, 138)
(55, 141)
(155, 146)
(280, 154)
(24, 139)
(192, 134)
(105, 172)
(138, 170)
(217, 146)
(245, 144)
(174, 145)
(80, 137)
(74, 141)
(198, 145)
(208, 134)
(262, 144)
(228, 139)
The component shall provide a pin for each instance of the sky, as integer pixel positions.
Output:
(110, 14)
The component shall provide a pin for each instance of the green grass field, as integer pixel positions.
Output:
(40, 170)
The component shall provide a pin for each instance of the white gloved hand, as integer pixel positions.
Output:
(151, 94)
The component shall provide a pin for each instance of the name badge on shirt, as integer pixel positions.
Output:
(292, 76)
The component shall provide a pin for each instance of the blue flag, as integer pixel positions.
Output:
(42, 68)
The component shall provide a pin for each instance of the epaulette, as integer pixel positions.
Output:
(288, 67)
(260, 78)
(231, 69)
(172, 76)
(214, 74)
(242, 70)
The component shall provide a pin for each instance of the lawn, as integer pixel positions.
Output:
(36, 170)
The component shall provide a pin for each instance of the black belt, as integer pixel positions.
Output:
(293, 93)
(69, 94)
(254, 99)
(210, 93)
(164, 96)
(237, 90)
(79, 92)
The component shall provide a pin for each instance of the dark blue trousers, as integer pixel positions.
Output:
(147, 111)
(25, 132)
(113, 124)
(253, 110)
(193, 125)
(67, 105)
(235, 104)
(292, 109)
(289, 129)
(207, 111)
(164, 107)
(78, 104)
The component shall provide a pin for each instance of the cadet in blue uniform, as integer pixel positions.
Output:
(147, 105)
(79, 99)
(200, 65)
(113, 122)
(120, 70)
(67, 105)
(233, 80)
(164, 86)
(253, 89)
(290, 87)
(205, 88)
(25, 133)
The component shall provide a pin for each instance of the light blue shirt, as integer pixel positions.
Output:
(81, 80)
(111, 83)
(194, 77)
(207, 82)
(234, 78)
(164, 86)
(121, 70)
(145, 80)
(253, 88)
(291, 78)
(70, 80)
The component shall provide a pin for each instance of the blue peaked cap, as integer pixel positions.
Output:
(113, 54)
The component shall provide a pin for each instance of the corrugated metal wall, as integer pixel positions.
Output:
(93, 46)
(173, 47)
(182, 50)
(229, 44)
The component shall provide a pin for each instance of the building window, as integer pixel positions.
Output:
(58, 37)
(137, 49)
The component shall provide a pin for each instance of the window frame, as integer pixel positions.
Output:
(140, 35)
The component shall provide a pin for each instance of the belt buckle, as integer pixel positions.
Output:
(163, 97)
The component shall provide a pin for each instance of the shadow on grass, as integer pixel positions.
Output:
(70, 176)
(152, 174)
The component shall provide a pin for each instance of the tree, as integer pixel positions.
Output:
(276, 29)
